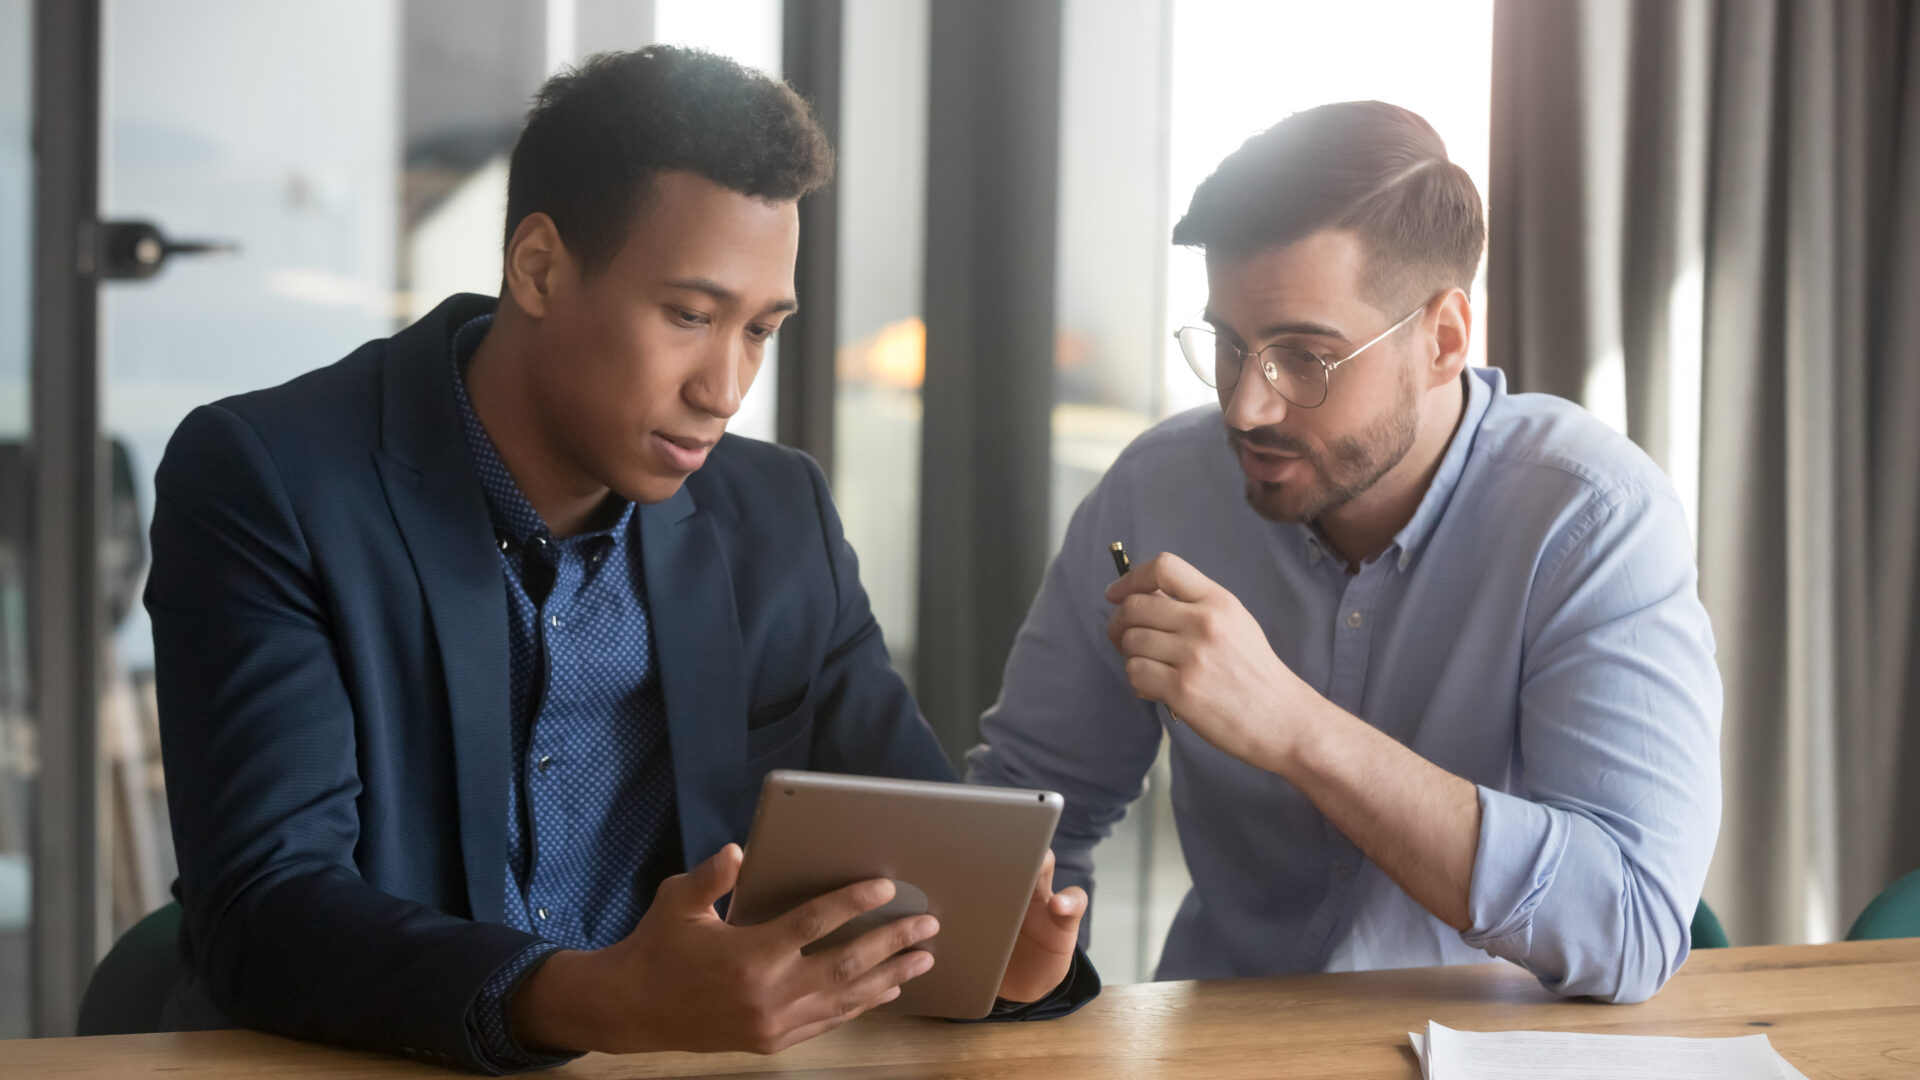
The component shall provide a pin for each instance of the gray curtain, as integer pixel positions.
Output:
(1705, 225)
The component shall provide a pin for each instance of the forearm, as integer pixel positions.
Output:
(328, 958)
(1416, 821)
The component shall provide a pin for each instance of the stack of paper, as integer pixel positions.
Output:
(1446, 1054)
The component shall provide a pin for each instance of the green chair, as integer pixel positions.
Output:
(1895, 913)
(130, 986)
(1706, 931)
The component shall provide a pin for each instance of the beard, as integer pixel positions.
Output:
(1349, 466)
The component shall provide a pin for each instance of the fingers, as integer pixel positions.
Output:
(1066, 908)
(1054, 924)
(846, 964)
(700, 888)
(840, 1002)
(823, 915)
(1166, 646)
(1167, 573)
(1155, 635)
(855, 977)
(821, 1027)
(1154, 611)
(1043, 954)
(1177, 578)
(1153, 680)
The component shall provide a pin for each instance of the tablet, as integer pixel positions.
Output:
(967, 854)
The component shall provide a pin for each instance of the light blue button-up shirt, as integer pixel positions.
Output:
(1535, 628)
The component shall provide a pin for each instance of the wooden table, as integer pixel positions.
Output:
(1838, 1012)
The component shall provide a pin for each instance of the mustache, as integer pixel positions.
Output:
(1268, 439)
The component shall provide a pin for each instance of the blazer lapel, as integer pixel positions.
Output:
(442, 513)
(696, 641)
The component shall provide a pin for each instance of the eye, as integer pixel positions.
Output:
(1300, 358)
(686, 317)
(758, 332)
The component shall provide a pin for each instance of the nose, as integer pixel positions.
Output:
(716, 387)
(1253, 402)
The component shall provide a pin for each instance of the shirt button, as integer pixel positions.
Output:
(1342, 872)
(1354, 620)
(545, 762)
(554, 621)
(1405, 558)
(506, 543)
(542, 912)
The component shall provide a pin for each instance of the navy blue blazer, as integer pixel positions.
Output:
(330, 632)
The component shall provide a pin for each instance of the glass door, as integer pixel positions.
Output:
(277, 184)
(276, 136)
(344, 166)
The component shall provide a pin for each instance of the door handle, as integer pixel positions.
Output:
(136, 250)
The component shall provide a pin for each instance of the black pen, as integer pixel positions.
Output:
(1122, 564)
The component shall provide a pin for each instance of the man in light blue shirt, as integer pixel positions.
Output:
(1437, 679)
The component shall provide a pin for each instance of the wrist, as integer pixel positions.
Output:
(552, 1008)
(1300, 737)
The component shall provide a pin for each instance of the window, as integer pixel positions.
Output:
(1154, 94)
(881, 356)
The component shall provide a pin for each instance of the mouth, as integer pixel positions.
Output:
(1269, 466)
(682, 453)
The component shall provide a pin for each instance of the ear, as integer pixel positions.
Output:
(537, 264)
(1452, 333)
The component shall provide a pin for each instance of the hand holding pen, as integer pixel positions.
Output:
(1189, 644)
(1122, 564)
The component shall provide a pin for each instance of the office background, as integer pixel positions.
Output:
(1705, 226)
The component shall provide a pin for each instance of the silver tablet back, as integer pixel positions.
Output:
(965, 853)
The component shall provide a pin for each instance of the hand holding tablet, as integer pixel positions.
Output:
(975, 858)
(926, 897)
(685, 980)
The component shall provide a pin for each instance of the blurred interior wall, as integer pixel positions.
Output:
(1706, 227)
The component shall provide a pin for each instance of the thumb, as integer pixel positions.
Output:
(713, 879)
(1067, 907)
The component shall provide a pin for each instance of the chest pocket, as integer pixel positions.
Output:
(780, 735)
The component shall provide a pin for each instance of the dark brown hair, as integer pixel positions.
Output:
(598, 134)
(1376, 169)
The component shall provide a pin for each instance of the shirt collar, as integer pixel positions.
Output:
(514, 518)
(1413, 536)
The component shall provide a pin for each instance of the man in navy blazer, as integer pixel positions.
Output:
(472, 643)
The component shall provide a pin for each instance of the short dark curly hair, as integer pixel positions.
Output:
(598, 133)
(1374, 168)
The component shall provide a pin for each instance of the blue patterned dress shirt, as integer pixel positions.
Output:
(592, 774)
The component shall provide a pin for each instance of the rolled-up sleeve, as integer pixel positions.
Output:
(1588, 874)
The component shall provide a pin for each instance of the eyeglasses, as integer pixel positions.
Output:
(1302, 377)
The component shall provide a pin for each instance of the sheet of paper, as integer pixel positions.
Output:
(1553, 1055)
